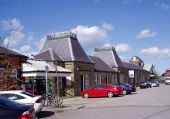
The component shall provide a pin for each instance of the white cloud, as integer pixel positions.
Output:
(122, 48)
(122, 58)
(13, 24)
(146, 33)
(14, 38)
(26, 49)
(41, 42)
(156, 52)
(108, 26)
(107, 45)
(91, 37)
(30, 37)
(14, 28)
(163, 5)
(129, 1)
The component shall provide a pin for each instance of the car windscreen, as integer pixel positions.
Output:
(114, 85)
(28, 94)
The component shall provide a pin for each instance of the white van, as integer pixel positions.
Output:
(167, 81)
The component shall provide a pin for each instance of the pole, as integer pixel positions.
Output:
(46, 79)
(58, 90)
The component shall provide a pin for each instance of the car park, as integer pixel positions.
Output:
(155, 83)
(11, 110)
(167, 81)
(24, 98)
(103, 90)
(146, 84)
(127, 88)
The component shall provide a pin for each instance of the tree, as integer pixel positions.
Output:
(6, 68)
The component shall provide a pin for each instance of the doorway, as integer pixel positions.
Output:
(82, 82)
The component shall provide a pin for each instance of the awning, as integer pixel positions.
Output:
(33, 68)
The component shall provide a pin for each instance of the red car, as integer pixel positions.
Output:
(103, 90)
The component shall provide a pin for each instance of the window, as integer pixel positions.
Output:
(98, 87)
(86, 81)
(28, 94)
(60, 83)
(114, 78)
(96, 79)
(104, 86)
(12, 96)
(99, 79)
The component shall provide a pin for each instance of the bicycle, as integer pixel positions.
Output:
(48, 99)
(51, 100)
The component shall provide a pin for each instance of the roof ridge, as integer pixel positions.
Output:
(71, 50)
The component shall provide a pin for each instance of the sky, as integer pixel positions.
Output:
(134, 27)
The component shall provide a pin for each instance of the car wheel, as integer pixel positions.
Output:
(86, 95)
(110, 94)
(124, 92)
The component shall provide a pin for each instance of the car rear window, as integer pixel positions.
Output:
(7, 102)
(28, 94)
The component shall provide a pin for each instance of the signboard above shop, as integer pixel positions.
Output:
(131, 73)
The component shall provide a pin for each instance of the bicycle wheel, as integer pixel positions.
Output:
(57, 103)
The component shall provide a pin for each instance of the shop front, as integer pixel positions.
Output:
(38, 80)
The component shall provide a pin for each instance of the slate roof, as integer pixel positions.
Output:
(67, 47)
(99, 65)
(133, 66)
(48, 55)
(35, 66)
(109, 56)
(11, 52)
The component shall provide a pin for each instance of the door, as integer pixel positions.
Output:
(82, 82)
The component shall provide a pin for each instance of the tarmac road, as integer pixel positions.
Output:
(151, 103)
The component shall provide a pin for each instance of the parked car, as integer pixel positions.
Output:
(127, 88)
(155, 83)
(145, 84)
(11, 110)
(167, 81)
(133, 88)
(103, 90)
(24, 98)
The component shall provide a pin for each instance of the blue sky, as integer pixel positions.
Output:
(134, 27)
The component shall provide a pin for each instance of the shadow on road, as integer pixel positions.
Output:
(44, 114)
(133, 93)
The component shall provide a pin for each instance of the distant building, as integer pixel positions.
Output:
(103, 73)
(126, 72)
(167, 73)
(111, 58)
(148, 67)
(137, 74)
(137, 61)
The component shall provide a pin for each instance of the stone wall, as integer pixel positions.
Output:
(78, 69)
